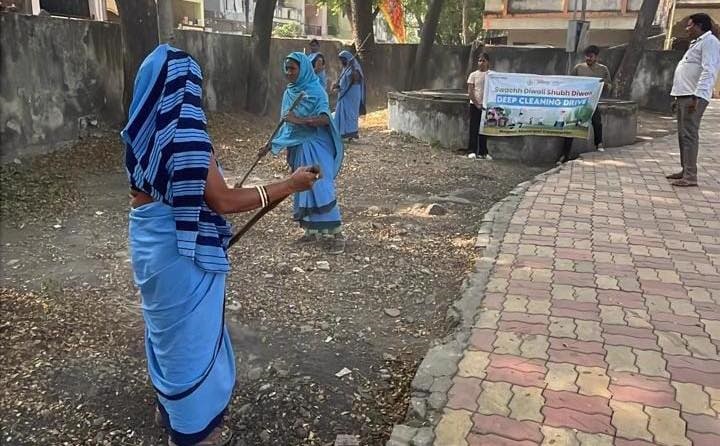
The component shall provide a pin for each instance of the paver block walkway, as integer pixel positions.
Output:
(601, 318)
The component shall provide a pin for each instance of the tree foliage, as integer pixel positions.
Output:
(288, 30)
(449, 30)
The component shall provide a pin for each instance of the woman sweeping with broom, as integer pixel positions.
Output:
(311, 138)
(178, 241)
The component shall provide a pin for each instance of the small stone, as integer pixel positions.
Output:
(17, 161)
(233, 305)
(265, 437)
(436, 209)
(306, 328)
(402, 434)
(418, 409)
(346, 440)
(423, 437)
(344, 372)
(300, 432)
(392, 312)
(269, 276)
(426, 271)
(297, 269)
(374, 210)
(12, 262)
(323, 265)
(388, 357)
(255, 373)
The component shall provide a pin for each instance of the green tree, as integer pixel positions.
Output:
(450, 28)
(288, 30)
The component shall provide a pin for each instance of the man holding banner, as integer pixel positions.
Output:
(477, 142)
(518, 104)
(591, 68)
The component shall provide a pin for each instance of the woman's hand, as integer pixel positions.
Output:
(335, 87)
(304, 178)
(294, 119)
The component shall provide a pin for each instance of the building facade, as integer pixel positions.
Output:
(545, 22)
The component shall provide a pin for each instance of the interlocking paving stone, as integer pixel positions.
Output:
(600, 321)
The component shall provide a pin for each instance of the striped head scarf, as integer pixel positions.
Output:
(168, 150)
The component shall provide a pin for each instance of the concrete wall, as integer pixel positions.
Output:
(57, 75)
(651, 85)
(223, 59)
(435, 120)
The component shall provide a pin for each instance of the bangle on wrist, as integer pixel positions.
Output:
(262, 192)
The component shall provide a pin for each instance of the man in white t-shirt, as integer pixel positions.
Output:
(477, 144)
(692, 89)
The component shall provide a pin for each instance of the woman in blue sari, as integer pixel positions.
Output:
(351, 96)
(178, 240)
(311, 138)
(318, 64)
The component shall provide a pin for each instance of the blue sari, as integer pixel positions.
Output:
(351, 98)
(315, 209)
(322, 76)
(177, 247)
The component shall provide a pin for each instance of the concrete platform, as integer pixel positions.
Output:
(442, 117)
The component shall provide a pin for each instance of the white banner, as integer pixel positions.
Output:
(518, 104)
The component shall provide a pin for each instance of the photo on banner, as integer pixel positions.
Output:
(518, 104)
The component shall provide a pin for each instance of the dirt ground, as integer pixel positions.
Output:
(71, 332)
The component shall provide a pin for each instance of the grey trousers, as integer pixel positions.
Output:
(688, 137)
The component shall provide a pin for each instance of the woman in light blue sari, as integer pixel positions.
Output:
(311, 138)
(351, 96)
(318, 63)
(178, 240)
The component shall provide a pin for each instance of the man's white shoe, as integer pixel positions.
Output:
(472, 156)
(600, 149)
(487, 157)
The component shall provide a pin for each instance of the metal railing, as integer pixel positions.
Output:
(313, 30)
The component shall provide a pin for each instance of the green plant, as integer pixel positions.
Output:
(288, 30)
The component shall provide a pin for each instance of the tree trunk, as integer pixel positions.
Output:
(633, 52)
(139, 30)
(432, 18)
(246, 9)
(475, 50)
(259, 77)
(465, 24)
(166, 21)
(347, 9)
(362, 15)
